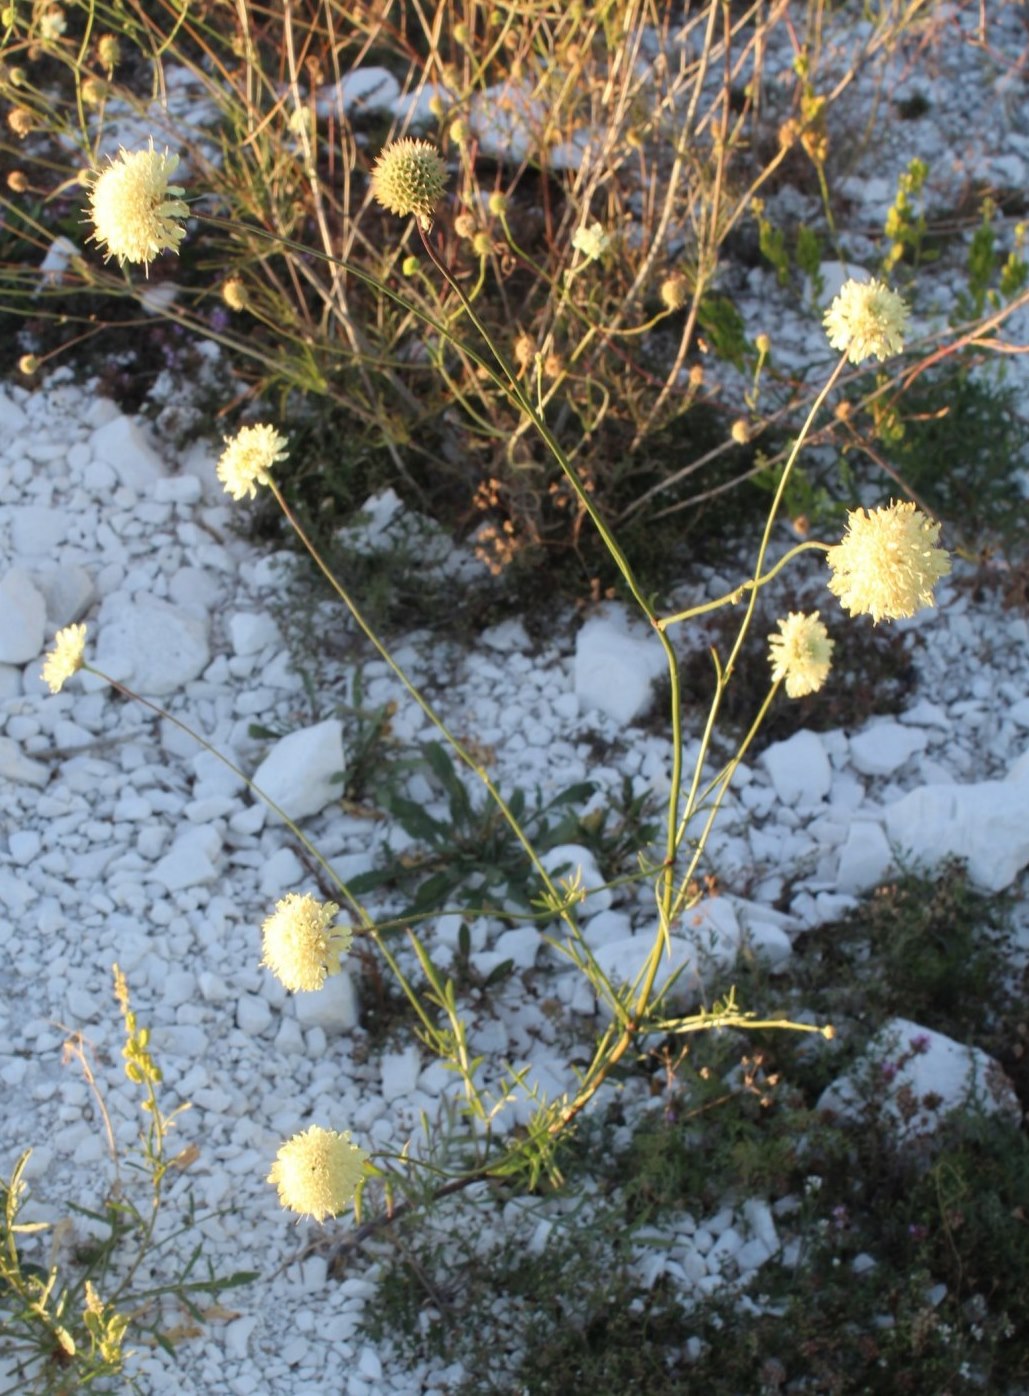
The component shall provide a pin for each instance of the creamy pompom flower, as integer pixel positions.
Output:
(301, 945)
(248, 458)
(887, 563)
(868, 320)
(410, 177)
(317, 1172)
(136, 212)
(801, 653)
(66, 657)
(592, 242)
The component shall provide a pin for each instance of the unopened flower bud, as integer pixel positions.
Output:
(27, 364)
(497, 203)
(18, 181)
(675, 290)
(482, 244)
(234, 293)
(740, 432)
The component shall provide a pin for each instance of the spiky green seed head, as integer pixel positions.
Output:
(408, 178)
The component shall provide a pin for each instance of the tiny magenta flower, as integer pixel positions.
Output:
(247, 459)
(301, 946)
(135, 210)
(868, 320)
(317, 1172)
(65, 658)
(801, 653)
(887, 563)
(410, 177)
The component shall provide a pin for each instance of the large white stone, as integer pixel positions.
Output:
(909, 1066)
(333, 1007)
(616, 662)
(864, 857)
(68, 593)
(190, 860)
(986, 823)
(22, 618)
(154, 647)
(702, 949)
(126, 448)
(884, 747)
(301, 773)
(799, 769)
(571, 860)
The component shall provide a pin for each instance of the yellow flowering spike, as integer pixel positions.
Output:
(317, 1172)
(887, 563)
(301, 947)
(801, 653)
(66, 657)
(247, 459)
(410, 177)
(868, 320)
(134, 209)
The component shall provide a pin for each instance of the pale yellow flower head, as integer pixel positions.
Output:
(592, 242)
(317, 1172)
(801, 653)
(868, 320)
(247, 459)
(66, 657)
(301, 946)
(888, 562)
(234, 293)
(134, 209)
(410, 177)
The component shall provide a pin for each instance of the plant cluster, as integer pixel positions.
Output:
(505, 355)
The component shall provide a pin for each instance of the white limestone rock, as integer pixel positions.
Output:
(864, 857)
(123, 444)
(154, 647)
(68, 592)
(799, 769)
(301, 773)
(571, 860)
(333, 1007)
(986, 823)
(884, 747)
(22, 618)
(907, 1064)
(616, 662)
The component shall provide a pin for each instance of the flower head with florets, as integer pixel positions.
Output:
(301, 946)
(66, 657)
(248, 458)
(317, 1172)
(868, 320)
(135, 211)
(887, 563)
(801, 653)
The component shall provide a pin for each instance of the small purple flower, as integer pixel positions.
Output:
(889, 1071)
(920, 1044)
(219, 319)
(917, 1231)
(840, 1217)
